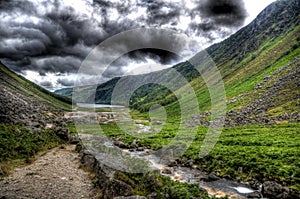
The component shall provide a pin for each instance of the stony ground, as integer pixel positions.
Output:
(53, 175)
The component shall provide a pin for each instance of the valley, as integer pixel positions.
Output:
(161, 143)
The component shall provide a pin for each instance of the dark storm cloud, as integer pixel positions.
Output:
(65, 82)
(222, 12)
(30, 39)
(53, 37)
(55, 64)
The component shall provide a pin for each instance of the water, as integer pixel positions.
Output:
(86, 105)
(219, 187)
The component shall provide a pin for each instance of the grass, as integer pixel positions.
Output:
(145, 184)
(261, 152)
(18, 145)
(23, 85)
(250, 152)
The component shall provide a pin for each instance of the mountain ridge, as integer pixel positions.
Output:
(244, 59)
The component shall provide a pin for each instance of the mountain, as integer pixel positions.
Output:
(26, 104)
(67, 92)
(259, 66)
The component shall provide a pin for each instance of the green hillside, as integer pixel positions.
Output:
(245, 60)
(26, 87)
(264, 47)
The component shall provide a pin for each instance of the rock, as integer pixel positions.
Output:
(115, 188)
(152, 195)
(63, 133)
(274, 190)
(74, 140)
(293, 194)
(172, 163)
(140, 149)
(167, 170)
(130, 197)
(203, 177)
(212, 177)
(88, 160)
(157, 122)
(255, 194)
(135, 144)
(121, 144)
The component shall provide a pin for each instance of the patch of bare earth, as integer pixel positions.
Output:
(53, 175)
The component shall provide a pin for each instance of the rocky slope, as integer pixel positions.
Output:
(26, 104)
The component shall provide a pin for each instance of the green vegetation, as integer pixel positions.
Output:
(249, 152)
(254, 152)
(17, 142)
(144, 184)
(19, 83)
(18, 146)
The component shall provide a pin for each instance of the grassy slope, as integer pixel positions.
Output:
(29, 88)
(241, 78)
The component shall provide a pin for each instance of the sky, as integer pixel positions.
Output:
(47, 40)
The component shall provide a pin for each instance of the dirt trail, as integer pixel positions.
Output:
(53, 175)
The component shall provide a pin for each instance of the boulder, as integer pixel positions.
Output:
(115, 188)
(74, 140)
(274, 190)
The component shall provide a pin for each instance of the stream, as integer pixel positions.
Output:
(106, 152)
(215, 187)
(112, 155)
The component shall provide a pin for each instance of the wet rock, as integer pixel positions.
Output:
(255, 194)
(172, 163)
(121, 144)
(274, 190)
(168, 170)
(135, 144)
(213, 177)
(208, 177)
(140, 149)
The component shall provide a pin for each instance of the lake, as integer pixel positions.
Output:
(86, 105)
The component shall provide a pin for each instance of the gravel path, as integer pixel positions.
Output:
(53, 175)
